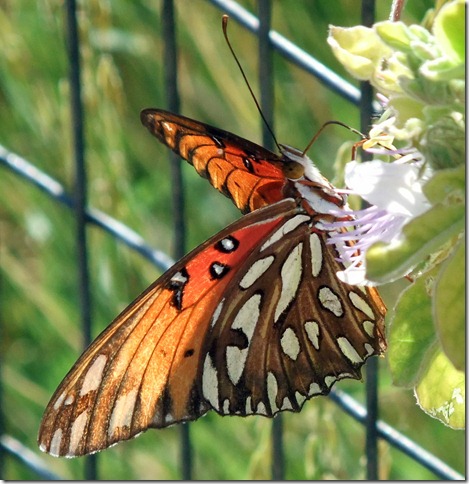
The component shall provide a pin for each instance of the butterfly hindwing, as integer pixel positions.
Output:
(288, 329)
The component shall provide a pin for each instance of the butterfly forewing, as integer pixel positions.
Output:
(247, 173)
(143, 370)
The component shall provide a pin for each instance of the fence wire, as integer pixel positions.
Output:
(269, 41)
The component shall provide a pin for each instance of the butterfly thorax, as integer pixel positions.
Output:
(318, 196)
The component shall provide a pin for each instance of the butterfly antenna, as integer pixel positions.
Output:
(316, 136)
(225, 33)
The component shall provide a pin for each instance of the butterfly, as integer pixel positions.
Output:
(254, 321)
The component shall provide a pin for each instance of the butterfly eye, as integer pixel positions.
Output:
(293, 170)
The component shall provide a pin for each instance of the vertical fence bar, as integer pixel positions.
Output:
(177, 189)
(371, 445)
(80, 189)
(266, 82)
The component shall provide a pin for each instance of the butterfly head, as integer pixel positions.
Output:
(321, 195)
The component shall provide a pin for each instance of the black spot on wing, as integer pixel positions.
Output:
(177, 283)
(227, 245)
(218, 270)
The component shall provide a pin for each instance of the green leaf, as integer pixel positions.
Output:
(441, 391)
(444, 143)
(449, 29)
(446, 184)
(411, 333)
(420, 237)
(449, 306)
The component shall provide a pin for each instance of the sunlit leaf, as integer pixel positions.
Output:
(422, 236)
(446, 183)
(441, 391)
(411, 333)
(449, 306)
(449, 30)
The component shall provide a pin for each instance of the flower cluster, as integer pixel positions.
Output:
(416, 188)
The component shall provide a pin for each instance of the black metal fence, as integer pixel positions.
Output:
(269, 43)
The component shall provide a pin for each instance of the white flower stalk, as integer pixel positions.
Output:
(394, 191)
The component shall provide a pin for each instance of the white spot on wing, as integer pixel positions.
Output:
(272, 389)
(235, 361)
(179, 278)
(329, 380)
(261, 410)
(248, 405)
(227, 243)
(94, 375)
(290, 344)
(210, 382)
(287, 227)
(286, 404)
(59, 401)
(348, 350)
(369, 349)
(256, 271)
(55, 443)
(291, 277)
(300, 398)
(169, 418)
(246, 321)
(76, 432)
(314, 389)
(217, 312)
(122, 412)
(369, 327)
(316, 254)
(226, 406)
(312, 331)
(361, 304)
(69, 400)
(330, 301)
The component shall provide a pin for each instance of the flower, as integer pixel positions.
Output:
(394, 191)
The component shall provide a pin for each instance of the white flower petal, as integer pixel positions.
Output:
(393, 187)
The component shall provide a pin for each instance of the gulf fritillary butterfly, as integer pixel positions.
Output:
(252, 322)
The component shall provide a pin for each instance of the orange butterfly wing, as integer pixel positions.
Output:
(142, 370)
(250, 175)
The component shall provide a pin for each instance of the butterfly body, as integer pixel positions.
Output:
(253, 321)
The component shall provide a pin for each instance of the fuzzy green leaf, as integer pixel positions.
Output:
(420, 237)
(441, 391)
(444, 184)
(449, 29)
(449, 306)
(411, 333)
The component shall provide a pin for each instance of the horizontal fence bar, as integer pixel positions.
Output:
(27, 457)
(395, 438)
(292, 52)
(53, 188)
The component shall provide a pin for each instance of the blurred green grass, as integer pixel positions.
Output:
(129, 179)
